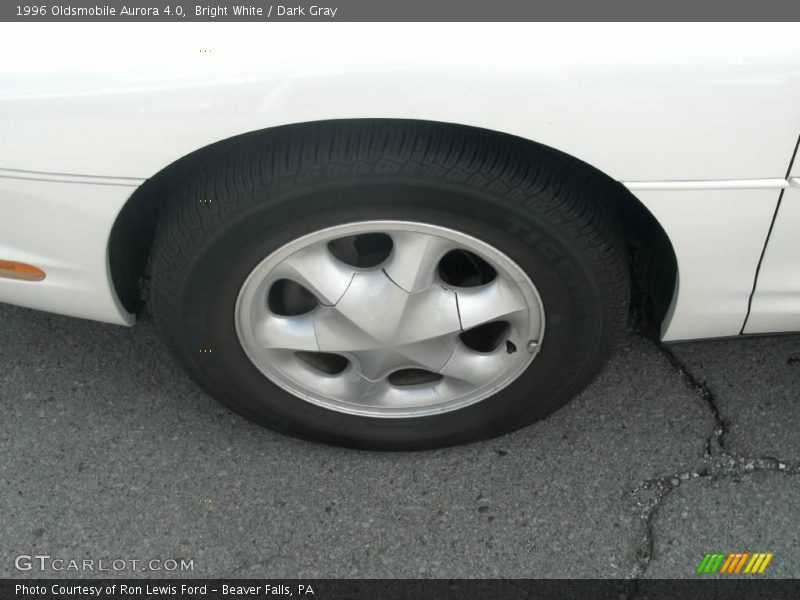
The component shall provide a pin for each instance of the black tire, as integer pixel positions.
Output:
(545, 210)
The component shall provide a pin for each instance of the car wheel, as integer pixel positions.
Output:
(390, 285)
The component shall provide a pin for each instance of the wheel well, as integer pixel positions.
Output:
(653, 263)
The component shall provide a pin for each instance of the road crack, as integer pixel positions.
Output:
(719, 461)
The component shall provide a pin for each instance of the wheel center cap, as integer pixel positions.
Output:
(386, 328)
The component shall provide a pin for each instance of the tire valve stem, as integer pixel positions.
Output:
(533, 346)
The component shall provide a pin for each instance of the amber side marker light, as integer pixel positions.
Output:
(17, 270)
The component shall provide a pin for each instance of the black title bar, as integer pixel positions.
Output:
(698, 588)
(402, 10)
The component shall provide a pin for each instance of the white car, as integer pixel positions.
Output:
(402, 236)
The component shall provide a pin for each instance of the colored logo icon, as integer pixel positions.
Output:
(735, 563)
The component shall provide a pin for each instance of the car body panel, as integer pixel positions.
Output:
(699, 120)
(776, 301)
(63, 228)
(717, 236)
(640, 102)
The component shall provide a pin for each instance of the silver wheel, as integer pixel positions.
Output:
(389, 319)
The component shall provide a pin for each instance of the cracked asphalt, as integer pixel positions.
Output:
(108, 451)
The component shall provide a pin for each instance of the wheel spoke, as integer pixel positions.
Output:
(345, 385)
(373, 394)
(336, 332)
(316, 269)
(493, 301)
(475, 369)
(382, 394)
(288, 333)
(414, 259)
(428, 315)
(431, 354)
(375, 364)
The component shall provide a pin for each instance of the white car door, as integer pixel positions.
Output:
(775, 304)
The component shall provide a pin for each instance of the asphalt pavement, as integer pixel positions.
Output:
(109, 452)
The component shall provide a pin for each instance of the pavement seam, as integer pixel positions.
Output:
(720, 461)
